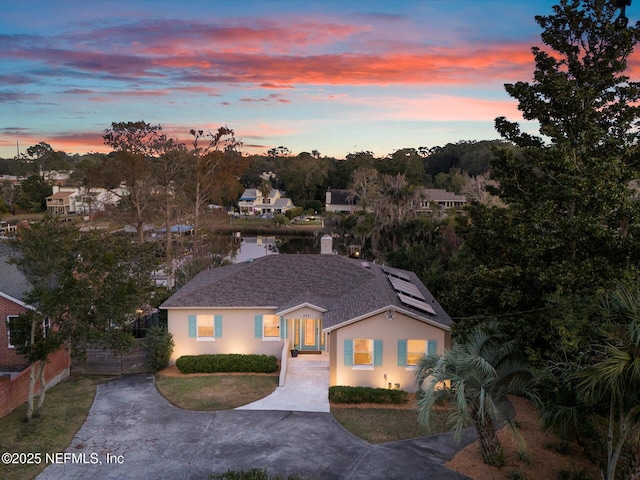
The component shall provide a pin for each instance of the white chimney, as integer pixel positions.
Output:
(326, 245)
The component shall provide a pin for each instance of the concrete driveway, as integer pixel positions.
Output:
(144, 437)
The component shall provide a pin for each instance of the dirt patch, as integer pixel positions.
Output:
(538, 461)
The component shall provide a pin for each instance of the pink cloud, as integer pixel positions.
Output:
(76, 142)
(268, 53)
(435, 108)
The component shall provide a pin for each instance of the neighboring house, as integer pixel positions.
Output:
(7, 228)
(338, 200)
(14, 368)
(92, 200)
(63, 201)
(252, 202)
(341, 200)
(375, 322)
(13, 286)
(70, 200)
(437, 202)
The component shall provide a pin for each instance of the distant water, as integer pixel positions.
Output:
(256, 247)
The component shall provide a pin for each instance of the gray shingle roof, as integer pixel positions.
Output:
(340, 285)
(340, 196)
(12, 280)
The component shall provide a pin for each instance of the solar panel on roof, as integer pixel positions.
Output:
(406, 287)
(396, 273)
(419, 304)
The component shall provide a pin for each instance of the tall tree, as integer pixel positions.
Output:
(168, 168)
(364, 188)
(405, 161)
(265, 187)
(571, 222)
(85, 286)
(135, 144)
(33, 193)
(392, 208)
(305, 177)
(215, 160)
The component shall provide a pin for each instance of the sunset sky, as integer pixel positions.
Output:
(334, 76)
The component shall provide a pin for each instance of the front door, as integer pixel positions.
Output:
(310, 334)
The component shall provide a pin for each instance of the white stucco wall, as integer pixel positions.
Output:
(378, 327)
(238, 333)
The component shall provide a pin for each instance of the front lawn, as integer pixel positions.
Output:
(65, 409)
(377, 424)
(209, 392)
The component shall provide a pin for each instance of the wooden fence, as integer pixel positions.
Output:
(103, 361)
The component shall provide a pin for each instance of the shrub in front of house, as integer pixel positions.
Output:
(233, 362)
(294, 212)
(159, 347)
(343, 394)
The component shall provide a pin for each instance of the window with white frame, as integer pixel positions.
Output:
(10, 319)
(46, 326)
(270, 326)
(415, 351)
(206, 326)
(362, 351)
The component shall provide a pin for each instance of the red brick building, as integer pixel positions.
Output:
(13, 385)
(13, 287)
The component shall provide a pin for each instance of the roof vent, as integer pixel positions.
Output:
(365, 264)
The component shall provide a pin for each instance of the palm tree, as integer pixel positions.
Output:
(265, 187)
(615, 379)
(476, 377)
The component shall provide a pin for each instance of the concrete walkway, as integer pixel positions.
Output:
(306, 387)
(147, 438)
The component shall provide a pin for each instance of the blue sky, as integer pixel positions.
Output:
(334, 76)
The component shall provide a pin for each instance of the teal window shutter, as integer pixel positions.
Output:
(283, 328)
(348, 353)
(258, 326)
(193, 327)
(402, 353)
(377, 353)
(432, 347)
(218, 326)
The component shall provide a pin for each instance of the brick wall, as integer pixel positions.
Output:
(9, 359)
(14, 392)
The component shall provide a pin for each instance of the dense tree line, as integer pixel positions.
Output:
(305, 176)
(555, 265)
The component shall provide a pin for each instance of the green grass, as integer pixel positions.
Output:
(215, 392)
(382, 425)
(254, 474)
(64, 411)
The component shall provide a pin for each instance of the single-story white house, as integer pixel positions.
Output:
(375, 322)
